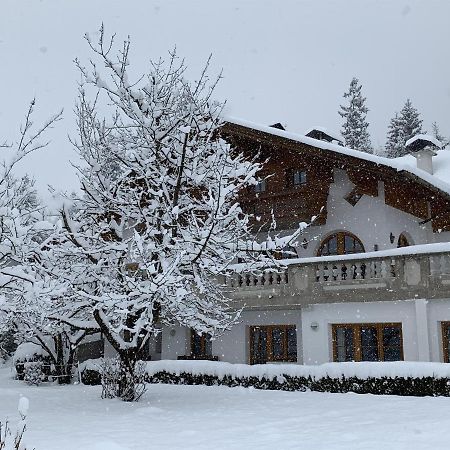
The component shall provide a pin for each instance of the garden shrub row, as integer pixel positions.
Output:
(384, 385)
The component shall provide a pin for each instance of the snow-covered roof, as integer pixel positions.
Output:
(324, 130)
(424, 137)
(440, 179)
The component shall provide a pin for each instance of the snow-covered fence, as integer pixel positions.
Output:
(382, 378)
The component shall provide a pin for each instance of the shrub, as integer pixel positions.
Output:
(29, 352)
(418, 386)
(33, 372)
(91, 377)
(118, 383)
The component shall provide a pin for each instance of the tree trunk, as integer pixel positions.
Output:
(127, 380)
(63, 369)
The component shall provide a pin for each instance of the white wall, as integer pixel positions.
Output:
(371, 220)
(317, 344)
(175, 342)
(234, 345)
(420, 319)
(438, 311)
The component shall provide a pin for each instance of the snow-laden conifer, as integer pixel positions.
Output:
(355, 128)
(403, 126)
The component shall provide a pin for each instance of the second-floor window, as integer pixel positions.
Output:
(298, 178)
(261, 186)
(341, 243)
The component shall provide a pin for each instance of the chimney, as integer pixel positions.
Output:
(425, 159)
(423, 147)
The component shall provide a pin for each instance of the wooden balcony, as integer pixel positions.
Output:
(421, 271)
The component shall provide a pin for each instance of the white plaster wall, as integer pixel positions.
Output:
(175, 342)
(109, 350)
(234, 345)
(438, 311)
(371, 220)
(317, 344)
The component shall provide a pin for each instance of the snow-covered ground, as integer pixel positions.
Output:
(185, 417)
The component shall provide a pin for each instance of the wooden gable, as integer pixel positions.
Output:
(293, 204)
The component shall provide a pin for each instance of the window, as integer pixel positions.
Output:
(353, 197)
(340, 244)
(446, 340)
(91, 350)
(402, 241)
(367, 342)
(273, 343)
(297, 177)
(261, 186)
(201, 346)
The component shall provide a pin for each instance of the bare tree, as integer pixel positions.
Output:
(159, 222)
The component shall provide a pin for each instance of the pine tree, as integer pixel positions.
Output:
(410, 121)
(436, 132)
(403, 126)
(354, 129)
(395, 143)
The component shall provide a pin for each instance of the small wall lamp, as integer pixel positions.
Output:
(391, 238)
(314, 326)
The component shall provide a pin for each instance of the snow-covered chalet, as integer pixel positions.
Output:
(368, 281)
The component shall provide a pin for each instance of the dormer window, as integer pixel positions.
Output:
(298, 178)
(261, 186)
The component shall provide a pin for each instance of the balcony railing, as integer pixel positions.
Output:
(421, 271)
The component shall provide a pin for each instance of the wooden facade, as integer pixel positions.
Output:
(293, 204)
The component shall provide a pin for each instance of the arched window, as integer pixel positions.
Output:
(341, 243)
(402, 241)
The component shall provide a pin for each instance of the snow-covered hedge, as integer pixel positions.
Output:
(394, 378)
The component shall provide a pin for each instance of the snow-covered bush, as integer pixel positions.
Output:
(382, 378)
(28, 352)
(34, 372)
(417, 386)
(111, 374)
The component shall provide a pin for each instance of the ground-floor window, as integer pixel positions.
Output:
(273, 343)
(446, 340)
(91, 350)
(201, 346)
(367, 342)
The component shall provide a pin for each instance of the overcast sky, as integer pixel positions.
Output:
(283, 61)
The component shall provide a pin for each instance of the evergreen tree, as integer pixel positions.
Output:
(354, 129)
(436, 132)
(403, 126)
(395, 143)
(410, 121)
